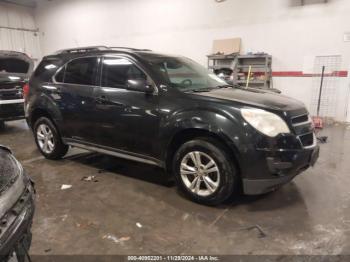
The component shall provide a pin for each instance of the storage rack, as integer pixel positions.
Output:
(221, 61)
(261, 72)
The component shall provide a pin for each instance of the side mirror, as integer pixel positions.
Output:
(139, 85)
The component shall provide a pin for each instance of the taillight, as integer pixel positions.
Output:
(25, 91)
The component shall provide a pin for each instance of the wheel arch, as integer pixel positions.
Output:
(40, 112)
(188, 134)
(37, 113)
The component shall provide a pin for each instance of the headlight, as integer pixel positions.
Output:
(267, 123)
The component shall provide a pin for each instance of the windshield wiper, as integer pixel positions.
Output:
(224, 86)
(202, 90)
(199, 90)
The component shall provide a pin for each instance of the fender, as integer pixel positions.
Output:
(42, 102)
(219, 123)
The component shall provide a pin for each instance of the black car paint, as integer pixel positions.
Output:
(11, 88)
(15, 227)
(148, 124)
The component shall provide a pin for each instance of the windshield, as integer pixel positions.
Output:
(185, 74)
(12, 65)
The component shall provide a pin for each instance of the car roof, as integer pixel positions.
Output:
(68, 54)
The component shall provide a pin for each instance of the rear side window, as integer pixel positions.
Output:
(12, 65)
(81, 71)
(117, 71)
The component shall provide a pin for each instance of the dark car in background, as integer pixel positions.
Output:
(15, 70)
(16, 207)
(170, 112)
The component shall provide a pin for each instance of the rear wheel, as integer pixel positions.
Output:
(48, 140)
(204, 171)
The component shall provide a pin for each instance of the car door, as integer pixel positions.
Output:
(126, 120)
(73, 93)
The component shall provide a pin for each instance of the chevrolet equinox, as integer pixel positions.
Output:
(170, 112)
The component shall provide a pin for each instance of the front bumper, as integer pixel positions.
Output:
(11, 110)
(15, 226)
(279, 168)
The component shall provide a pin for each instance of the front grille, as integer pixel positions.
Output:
(10, 96)
(300, 119)
(304, 130)
(11, 91)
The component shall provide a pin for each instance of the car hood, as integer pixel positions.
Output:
(9, 77)
(255, 97)
(9, 169)
(11, 180)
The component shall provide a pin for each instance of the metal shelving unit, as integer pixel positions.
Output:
(221, 61)
(260, 68)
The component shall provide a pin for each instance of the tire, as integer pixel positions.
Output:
(51, 147)
(224, 179)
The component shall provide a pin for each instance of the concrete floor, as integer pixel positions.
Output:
(132, 209)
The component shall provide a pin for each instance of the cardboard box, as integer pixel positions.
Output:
(227, 46)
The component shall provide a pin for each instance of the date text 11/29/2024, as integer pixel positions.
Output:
(173, 258)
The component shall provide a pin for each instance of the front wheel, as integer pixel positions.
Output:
(48, 140)
(204, 171)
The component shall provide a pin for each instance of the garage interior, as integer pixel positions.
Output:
(93, 204)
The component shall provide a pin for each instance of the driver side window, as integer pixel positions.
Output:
(117, 71)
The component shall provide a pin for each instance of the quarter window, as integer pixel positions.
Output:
(60, 76)
(81, 71)
(117, 71)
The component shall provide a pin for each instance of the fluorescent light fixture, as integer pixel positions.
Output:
(116, 61)
(50, 87)
(51, 66)
(14, 78)
(133, 82)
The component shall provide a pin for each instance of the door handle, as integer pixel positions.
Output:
(103, 100)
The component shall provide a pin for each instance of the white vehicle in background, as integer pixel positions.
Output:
(15, 70)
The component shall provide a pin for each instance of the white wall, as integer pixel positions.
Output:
(21, 39)
(292, 34)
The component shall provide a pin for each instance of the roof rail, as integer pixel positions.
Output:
(129, 48)
(95, 48)
(82, 49)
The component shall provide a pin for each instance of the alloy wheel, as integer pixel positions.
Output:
(45, 138)
(200, 173)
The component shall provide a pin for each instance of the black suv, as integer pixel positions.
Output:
(15, 69)
(170, 112)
